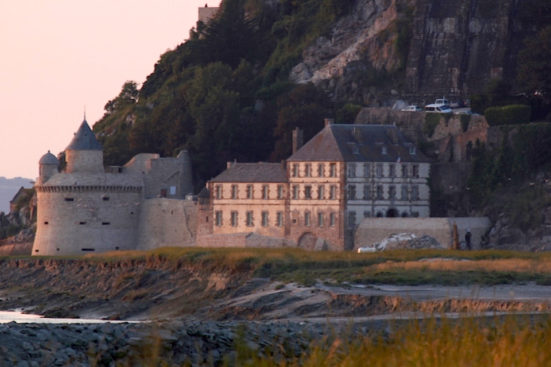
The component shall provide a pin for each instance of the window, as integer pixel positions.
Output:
(367, 192)
(105, 198)
(332, 170)
(351, 170)
(414, 192)
(307, 218)
(405, 170)
(333, 192)
(172, 190)
(279, 219)
(367, 214)
(320, 170)
(391, 170)
(218, 218)
(249, 191)
(280, 191)
(332, 219)
(351, 219)
(82, 223)
(294, 171)
(321, 192)
(415, 169)
(234, 191)
(265, 192)
(392, 192)
(308, 170)
(320, 219)
(379, 192)
(366, 170)
(351, 192)
(69, 199)
(379, 170)
(105, 223)
(412, 150)
(250, 219)
(383, 150)
(404, 192)
(234, 219)
(308, 192)
(295, 192)
(218, 192)
(264, 219)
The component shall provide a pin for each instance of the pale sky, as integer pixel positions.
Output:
(59, 57)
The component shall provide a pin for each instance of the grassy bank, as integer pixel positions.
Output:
(513, 341)
(445, 267)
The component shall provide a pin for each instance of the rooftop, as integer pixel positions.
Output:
(252, 172)
(84, 139)
(359, 143)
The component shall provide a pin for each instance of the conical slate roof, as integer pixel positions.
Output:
(48, 158)
(84, 139)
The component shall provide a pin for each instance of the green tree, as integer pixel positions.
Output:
(535, 64)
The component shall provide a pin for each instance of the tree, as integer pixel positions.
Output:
(535, 64)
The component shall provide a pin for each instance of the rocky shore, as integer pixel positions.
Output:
(173, 343)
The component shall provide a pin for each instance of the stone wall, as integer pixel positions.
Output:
(374, 230)
(167, 222)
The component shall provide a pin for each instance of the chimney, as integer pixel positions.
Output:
(298, 139)
(328, 121)
(231, 164)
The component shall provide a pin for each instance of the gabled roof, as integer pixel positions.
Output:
(84, 139)
(359, 143)
(253, 172)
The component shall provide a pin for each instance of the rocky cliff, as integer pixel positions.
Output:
(416, 49)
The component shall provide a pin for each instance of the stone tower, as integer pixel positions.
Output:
(47, 167)
(85, 209)
(84, 153)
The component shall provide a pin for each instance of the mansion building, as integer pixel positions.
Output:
(318, 196)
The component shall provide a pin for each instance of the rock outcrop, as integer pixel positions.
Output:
(418, 49)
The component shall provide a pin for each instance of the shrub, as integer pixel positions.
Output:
(431, 121)
(508, 115)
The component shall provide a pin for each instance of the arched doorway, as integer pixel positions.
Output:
(392, 213)
(307, 241)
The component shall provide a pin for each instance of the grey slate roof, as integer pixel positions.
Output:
(84, 139)
(49, 158)
(253, 172)
(358, 143)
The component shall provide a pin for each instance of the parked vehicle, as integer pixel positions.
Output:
(441, 105)
(412, 108)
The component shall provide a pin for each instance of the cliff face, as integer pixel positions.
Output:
(426, 48)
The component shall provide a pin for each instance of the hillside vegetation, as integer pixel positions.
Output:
(225, 93)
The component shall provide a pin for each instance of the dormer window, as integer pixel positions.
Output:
(383, 150)
(412, 149)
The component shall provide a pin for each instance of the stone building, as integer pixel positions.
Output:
(90, 208)
(345, 173)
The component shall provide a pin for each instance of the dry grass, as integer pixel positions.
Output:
(465, 342)
(503, 265)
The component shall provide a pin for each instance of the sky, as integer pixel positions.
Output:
(62, 58)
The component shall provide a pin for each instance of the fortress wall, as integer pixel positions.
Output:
(374, 230)
(75, 223)
(167, 222)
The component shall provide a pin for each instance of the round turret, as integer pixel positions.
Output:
(47, 167)
(84, 153)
